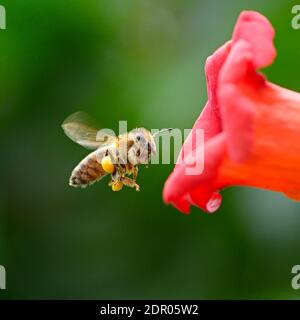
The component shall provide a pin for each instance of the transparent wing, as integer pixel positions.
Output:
(79, 127)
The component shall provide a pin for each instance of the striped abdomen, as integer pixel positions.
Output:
(88, 171)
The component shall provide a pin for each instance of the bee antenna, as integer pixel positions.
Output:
(162, 131)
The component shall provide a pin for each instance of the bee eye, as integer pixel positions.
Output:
(138, 153)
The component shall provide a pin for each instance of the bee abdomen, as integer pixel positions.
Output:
(88, 171)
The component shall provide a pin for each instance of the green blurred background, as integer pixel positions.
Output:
(140, 61)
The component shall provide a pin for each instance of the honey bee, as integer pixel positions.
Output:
(118, 156)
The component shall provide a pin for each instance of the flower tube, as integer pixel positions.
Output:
(251, 126)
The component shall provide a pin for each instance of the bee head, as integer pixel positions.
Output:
(143, 146)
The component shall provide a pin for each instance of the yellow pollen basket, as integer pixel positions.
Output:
(107, 165)
(117, 186)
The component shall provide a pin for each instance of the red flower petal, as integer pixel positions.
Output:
(256, 30)
(181, 188)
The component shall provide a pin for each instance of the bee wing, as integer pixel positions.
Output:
(79, 128)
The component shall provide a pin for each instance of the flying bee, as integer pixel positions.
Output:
(118, 156)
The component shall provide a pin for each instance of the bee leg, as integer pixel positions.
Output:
(135, 171)
(116, 183)
(116, 176)
(121, 170)
(130, 183)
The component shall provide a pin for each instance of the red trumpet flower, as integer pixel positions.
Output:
(251, 126)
